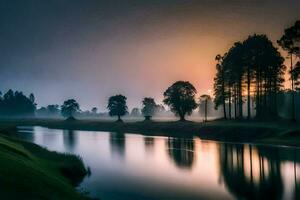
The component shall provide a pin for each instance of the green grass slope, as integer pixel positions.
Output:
(28, 171)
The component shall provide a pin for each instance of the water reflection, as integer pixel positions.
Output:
(117, 143)
(175, 168)
(249, 175)
(149, 144)
(70, 138)
(181, 151)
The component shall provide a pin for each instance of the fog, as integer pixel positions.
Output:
(90, 50)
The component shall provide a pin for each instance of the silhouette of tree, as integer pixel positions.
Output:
(117, 106)
(149, 107)
(135, 112)
(69, 108)
(14, 104)
(180, 97)
(94, 110)
(289, 42)
(233, 64)
(296, 76)
(49, 111)
(219, 85)
(254, 60)
(53, 109)
(267, 64)
(204, 101)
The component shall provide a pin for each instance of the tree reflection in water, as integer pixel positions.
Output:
(181, 151)
(69, 139)
(117, 143)
(250, 174)
(149, 144)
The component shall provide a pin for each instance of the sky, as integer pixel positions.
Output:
(92, 49)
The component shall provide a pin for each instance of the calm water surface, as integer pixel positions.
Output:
(133, 166)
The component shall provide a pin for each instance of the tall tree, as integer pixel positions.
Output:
(266, 63)
(117, 106)
(290, 43)
(69, 108)
(149, 107)
(204, 101)
(253, 60)
(180, 97)
(219, 85)
(234, 71)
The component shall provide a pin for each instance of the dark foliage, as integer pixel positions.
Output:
(254, 66)
(117, 106)
(69, 108)
(149, 107)
(14, 104)
(180, 97)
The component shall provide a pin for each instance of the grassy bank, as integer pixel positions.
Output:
(28, 171)
(279, 132)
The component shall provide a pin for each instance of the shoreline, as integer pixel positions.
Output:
(277, 133)
(53, 175)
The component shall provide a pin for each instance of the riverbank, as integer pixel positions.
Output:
(28, 171)
(279, 132)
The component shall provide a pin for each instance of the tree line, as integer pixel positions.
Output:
(250, 74)
(252, 71)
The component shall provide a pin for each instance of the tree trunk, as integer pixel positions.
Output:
(224, 110)
(223, 97)
(293, 93)
(119, 119)
(229, 104)
(206, 110)
(182, 117)
(257, 94)
(240, 99)
(248, 93)
(235, 102)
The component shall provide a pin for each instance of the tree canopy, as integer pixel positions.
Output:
(254, 66)
(117, 106)
(69, 108)
(180, 97)
(14, 104)
(149, 107)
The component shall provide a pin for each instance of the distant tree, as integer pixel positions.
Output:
(204, 99)
(149, 107)
(69, 108)
(53, 109)
(42, 112)
(180, 97)
(14, 104)
(135, 112)
(94, 110)
(117, 106)
(290, 43)
(160, 109)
